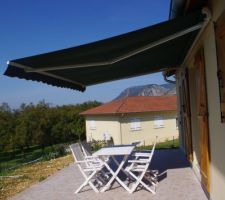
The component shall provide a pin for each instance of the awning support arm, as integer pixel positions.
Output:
(207, 19)
(123, 57)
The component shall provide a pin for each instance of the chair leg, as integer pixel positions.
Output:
(139, 181)
(87, 181)
(147, 187)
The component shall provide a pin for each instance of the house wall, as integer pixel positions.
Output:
(216, 128)
(104, 124)
(148, 133)
(119, 127)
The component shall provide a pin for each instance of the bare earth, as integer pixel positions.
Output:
(177, 182)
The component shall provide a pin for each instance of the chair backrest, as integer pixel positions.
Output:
(152, 151)
(148, 162)
(77, 152)
(136, 143)
(86, 148)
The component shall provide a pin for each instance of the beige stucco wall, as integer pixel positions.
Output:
(216, 128)
(104, 124)
(119, 128)
(148, 132)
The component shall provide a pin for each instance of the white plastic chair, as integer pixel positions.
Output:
(86, 148)
(103, 175)
(89, 166)
(138, 170)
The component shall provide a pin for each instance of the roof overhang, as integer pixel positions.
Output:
(151, 49)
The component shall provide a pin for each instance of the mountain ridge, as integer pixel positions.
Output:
(166, 89)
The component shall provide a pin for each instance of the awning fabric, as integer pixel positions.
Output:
(128, 55)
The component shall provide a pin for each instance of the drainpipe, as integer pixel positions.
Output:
(121, 137)
(166, 78)
(207, 19)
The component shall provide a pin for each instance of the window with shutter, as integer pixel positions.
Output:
(92, 125)
(158, 122)
(135, 124)
(220, 44)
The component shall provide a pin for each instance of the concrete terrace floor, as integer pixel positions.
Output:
(176, 182)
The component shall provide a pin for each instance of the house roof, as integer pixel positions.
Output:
(135, 105)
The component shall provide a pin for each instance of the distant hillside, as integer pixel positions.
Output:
(149, 90)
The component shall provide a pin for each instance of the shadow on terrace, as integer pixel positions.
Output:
(176, 181)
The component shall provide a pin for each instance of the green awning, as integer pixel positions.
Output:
(151, 49)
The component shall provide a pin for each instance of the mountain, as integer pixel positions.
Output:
(149, 90)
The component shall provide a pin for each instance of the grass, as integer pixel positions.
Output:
(20, 158)
(170, 144)
(30, 174)
(14, 158)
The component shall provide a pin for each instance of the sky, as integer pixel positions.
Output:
(30, 27)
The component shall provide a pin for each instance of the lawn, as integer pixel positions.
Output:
(30, 174)
(162, 145)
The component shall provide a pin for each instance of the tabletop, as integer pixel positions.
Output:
(114, 150)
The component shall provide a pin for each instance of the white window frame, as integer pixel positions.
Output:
(135, 124)
(158, 122)
(92, 125)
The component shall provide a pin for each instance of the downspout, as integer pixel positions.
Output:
(121, 137)
(207, 19)
(166, 78)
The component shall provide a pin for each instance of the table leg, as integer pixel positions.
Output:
(117, 163)
(114, 175)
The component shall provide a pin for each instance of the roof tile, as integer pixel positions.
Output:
(135, 105)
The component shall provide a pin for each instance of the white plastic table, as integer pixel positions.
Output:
(113, 151)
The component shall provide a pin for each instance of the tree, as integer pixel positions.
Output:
(41, 124)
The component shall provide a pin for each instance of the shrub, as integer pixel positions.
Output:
(54, 152)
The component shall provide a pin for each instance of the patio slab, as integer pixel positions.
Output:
(177, 182)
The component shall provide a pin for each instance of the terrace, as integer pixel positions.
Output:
(176, 181)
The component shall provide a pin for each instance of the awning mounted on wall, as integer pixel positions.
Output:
(151, 49)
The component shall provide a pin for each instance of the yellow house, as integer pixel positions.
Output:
(133, 119)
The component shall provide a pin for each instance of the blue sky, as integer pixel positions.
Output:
(29, 27)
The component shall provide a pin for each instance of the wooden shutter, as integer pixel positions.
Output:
(202, 110)
(220, 43)
(186, 114)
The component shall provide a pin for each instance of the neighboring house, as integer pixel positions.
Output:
(133, 119)
(201, 97)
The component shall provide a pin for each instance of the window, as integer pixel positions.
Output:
(220, 44)
(92, 125)
(158, 122)
(135, 124)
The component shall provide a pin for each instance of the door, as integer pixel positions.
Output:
(185, 114)
(202, 111)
